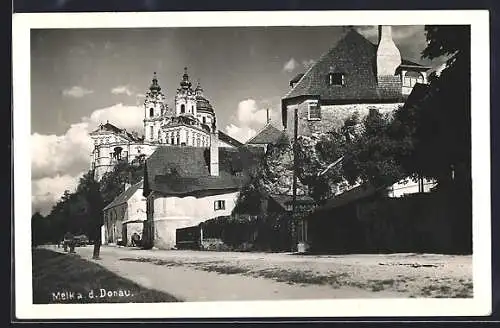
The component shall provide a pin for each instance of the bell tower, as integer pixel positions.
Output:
(154, 110)
(185, 99)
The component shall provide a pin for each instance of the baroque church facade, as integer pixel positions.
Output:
(191, 122)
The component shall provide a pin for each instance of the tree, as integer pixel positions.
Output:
(89, 189)
(440, 123)
(372, 156)
(39, 229)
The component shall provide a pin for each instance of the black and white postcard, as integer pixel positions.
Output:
(251, 164)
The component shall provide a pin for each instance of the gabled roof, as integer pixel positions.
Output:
(228, 139)
(355, 57)
(124, 196)
(268, 135)
(108, 127)
(185, 170)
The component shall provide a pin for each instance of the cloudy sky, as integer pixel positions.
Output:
(82, 77)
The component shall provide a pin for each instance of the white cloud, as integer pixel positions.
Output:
(58, 158)
(249, 119)
(242, 134)
(290, 65)
(308, 63)
(398, 32)
(45, 192)
(122, 90)
(76, 92)
(249, 113)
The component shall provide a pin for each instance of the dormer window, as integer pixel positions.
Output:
(336, 79)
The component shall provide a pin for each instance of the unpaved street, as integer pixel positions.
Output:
(211, 276)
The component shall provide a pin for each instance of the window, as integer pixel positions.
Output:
(151, 112)
(178, 138)
(219, 205)
(204, 119)
(183, 109)
(151, 132)
(336, 79)
(314, 112)
(172, 141)
(412, 78)
(192, 109)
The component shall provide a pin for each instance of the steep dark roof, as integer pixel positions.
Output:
(355, 57)
(185, 170)
(230, 140)
(268, 135)
(124, 196)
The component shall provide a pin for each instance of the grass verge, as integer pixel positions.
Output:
(65, 278)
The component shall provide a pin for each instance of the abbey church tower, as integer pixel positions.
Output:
(185, 99)
(154, 110)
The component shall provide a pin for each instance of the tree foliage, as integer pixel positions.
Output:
(372, 157)
(439, 126)
(81, 211)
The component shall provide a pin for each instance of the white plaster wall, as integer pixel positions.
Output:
(137, 206)
(171, 213)
(407, 186)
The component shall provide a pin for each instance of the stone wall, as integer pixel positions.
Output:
(332, 116)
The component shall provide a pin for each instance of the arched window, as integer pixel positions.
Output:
(204, 119)
(151, 112)
(183, 109)
(411, 78)
(178, 137)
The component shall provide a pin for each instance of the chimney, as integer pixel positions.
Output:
(214, 151)
(388, 55)
(268, 117)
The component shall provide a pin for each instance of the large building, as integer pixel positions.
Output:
(354, 76)
(189, 122)
(186, 186)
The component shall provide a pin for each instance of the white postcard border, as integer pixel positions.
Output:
(480, 304)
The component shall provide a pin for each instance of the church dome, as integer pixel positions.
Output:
(203, 104)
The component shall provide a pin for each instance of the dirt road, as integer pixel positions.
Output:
(212, 276)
